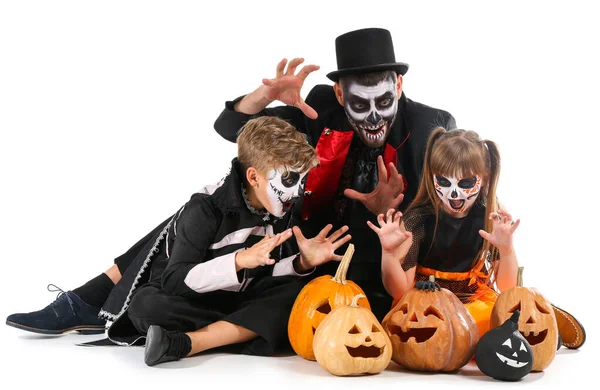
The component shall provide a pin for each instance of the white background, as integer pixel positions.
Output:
(106, 123)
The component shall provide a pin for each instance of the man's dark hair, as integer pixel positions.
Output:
(369, 79)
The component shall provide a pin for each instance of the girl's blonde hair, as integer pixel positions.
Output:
(460, 153)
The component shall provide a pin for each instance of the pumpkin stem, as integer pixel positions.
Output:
(515, 316)
(429, 285)
(342, 270)
(513, 322)
(520, 277)
(355, 300)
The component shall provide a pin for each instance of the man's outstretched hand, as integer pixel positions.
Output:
(286, 85)
(388, 193)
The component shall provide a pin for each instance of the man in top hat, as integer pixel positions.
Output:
(371, 141)
(369, 136)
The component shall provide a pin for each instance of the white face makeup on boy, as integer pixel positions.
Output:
(457, 193)
(284, 190)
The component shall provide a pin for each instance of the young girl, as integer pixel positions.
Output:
(455, 229)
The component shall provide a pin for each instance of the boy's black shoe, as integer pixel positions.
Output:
(165, 346)
(66, 314)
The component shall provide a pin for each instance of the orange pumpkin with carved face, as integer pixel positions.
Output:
(316, 300)
(431, 330)
(350, 341)
(537, 321)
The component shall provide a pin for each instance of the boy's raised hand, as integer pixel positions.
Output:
(320, 249)
(391, 236)
(258, 254)
(503, 228)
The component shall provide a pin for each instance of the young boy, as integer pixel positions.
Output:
(218, 273)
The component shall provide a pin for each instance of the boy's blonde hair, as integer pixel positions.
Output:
(267, 143)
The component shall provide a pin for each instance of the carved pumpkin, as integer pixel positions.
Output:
(350, 341)
(537, 322)
(317, 299)
(431, 330)
(503, 353)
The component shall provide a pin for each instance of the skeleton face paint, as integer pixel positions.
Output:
(458, 194)
(284, 190)
(371, 110)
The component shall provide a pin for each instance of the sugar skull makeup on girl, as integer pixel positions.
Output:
(458, 194)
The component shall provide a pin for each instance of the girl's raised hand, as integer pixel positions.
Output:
(391, 235)
(503, 228)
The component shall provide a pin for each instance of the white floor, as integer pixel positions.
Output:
(33, 361)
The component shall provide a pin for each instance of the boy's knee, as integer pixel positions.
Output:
(142, 310)
(293, 288)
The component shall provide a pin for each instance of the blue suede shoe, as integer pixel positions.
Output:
(66, 314)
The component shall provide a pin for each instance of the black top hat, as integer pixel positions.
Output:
(364, 51)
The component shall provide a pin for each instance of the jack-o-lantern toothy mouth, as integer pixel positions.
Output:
(365, 352)
(419, 334)
(511, 362)
(534, 339)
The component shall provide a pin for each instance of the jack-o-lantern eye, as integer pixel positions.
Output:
(354, 330)
(404, 308)
(515, 308)
(324, 307)
(432, 311)
(541, 308)
(508, 343)
(523, 347)
(375, 329)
